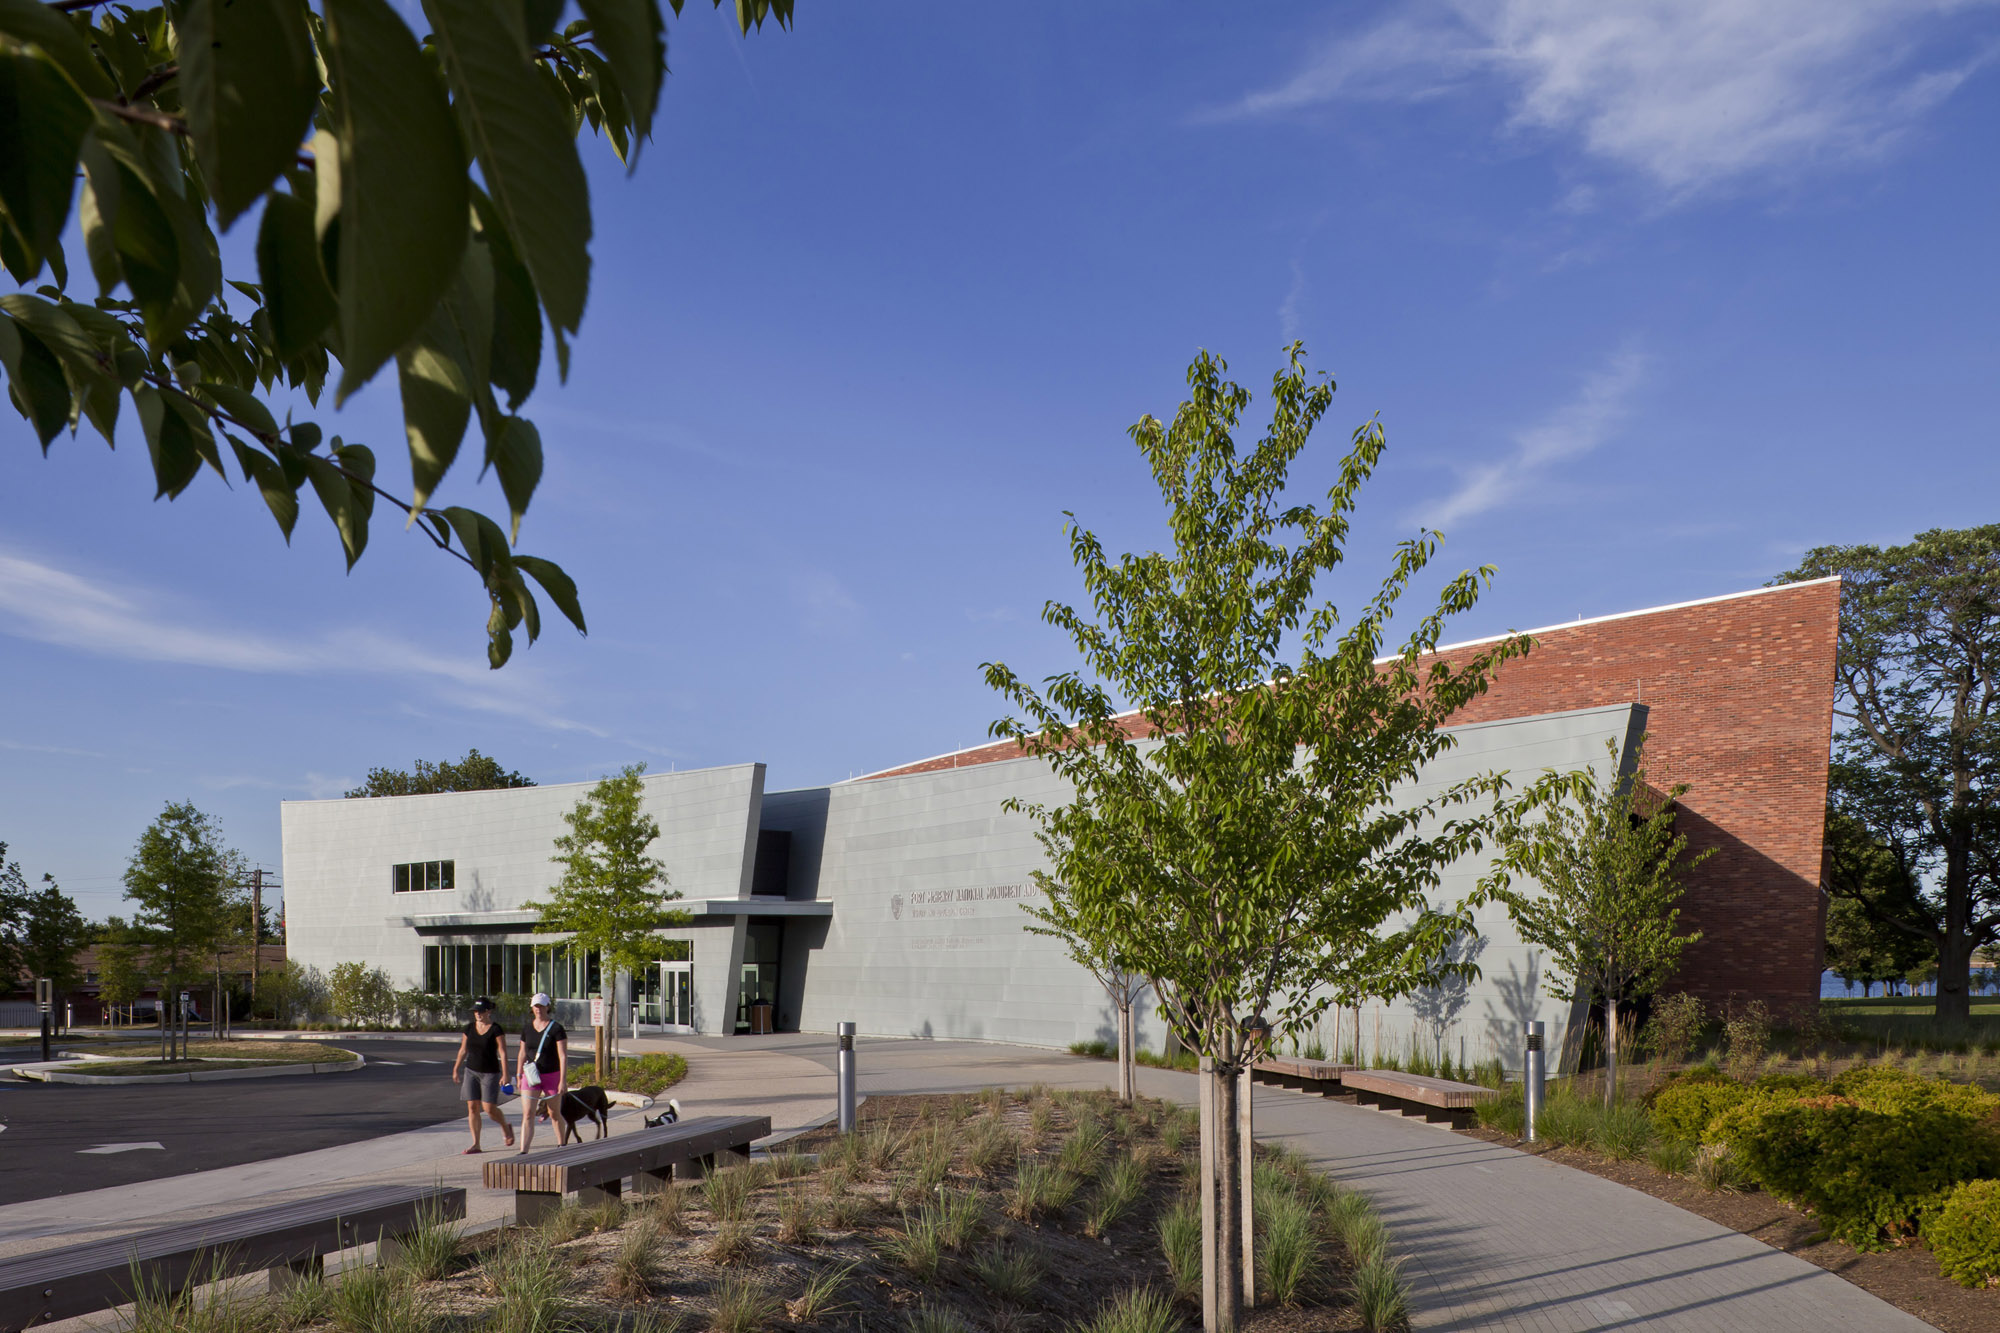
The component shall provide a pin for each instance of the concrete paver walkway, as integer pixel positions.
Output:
(1492, 1239)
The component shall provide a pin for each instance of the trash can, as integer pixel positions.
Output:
(760, 1016)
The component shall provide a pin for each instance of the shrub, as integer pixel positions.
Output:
(1965, 1234)
(1864, 1171)
(1747, 1035)
(1675, 1026)
(1686, 1109)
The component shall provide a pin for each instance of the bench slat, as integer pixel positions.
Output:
(583, 1165)
(98, 1275)
(1325, 1071)
(1422, 1088)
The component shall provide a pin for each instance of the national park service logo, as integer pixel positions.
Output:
(896, 906)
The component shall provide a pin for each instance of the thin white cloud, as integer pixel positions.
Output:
(24, 748)
(1291, 313)
(42, 602)
(1571, 431)
(1689, 93)
(825, 605)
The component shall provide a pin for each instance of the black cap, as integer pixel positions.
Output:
(482, 1005)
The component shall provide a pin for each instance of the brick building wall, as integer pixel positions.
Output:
(1739, 694)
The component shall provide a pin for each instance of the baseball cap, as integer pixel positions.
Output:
(542, 999)
(482, 1005)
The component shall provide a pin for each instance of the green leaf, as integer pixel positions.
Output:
(539, 17)
(485, 545)
(280, 495)
(558, 585)
(521, 133)
(241, 404)
(88, 367)
(440, 373)
(42, 122)
(97, 213)
(516, 455)
(359, 460)
(337, 496)
(249, 83)
(63, 40)
(176, 459)
(633, 40)
(402, 185)
(516, 355)
(296, 291)
(35, 380)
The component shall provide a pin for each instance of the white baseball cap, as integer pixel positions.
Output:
(542, 1000)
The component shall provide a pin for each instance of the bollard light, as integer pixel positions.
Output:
(1532, 1073)
(844, 1076)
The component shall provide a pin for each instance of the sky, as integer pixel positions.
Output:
(1650, 299)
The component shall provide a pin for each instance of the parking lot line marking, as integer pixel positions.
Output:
(108, 1148)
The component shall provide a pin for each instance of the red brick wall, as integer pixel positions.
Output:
(1739, 692)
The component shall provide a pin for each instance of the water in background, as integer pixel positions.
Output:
(1985, 981)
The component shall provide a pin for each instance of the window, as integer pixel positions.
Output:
(424, 876)
(518, 969)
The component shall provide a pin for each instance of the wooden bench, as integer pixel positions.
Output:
(595, 1171)
(1300, 1075)
(285, 1239)
(1438, 1100)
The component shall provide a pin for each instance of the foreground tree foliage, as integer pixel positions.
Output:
(1246, 835)
(1608, 867)
(1917, 764)
(354, 144)
(475, 772)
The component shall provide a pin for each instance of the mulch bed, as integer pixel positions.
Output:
(1907, 1278)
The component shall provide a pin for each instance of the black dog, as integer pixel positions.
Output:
(668, 1117)
(583, 1104)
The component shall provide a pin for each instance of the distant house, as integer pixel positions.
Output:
(81, 1005)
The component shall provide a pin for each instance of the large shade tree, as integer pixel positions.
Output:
(1917, 759)
(419, 202)
(1243, 829)
(1867, 946)
(41, 931)
(475, 772)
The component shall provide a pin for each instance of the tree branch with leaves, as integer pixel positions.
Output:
(355, 145)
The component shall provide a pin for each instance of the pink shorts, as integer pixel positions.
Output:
(551, 1086)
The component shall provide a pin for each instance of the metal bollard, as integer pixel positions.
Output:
(1531, 1077)
(845, 1076)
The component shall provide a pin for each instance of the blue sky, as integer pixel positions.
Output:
(1650, 299)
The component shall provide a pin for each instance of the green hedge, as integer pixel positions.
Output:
(1868, 1156)
(1685, 1110)
(1965, 1234)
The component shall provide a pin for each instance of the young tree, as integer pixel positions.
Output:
(184, 886)
(360, 994)
(1247, 835)
(1608, 864)
(612, 895)
(1122, 986)
(375, 242)
(1918, 763)
(475, 772)
(120, 964)
(53, 934)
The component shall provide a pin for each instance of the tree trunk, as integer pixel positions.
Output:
(1221, 1202)
(1127, 1077)
(1610, 1051)
(1954, 979)
(1246, 1137)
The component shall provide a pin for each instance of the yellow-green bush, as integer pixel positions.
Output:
(1899, 1092)
(1965, 1234)
(1864, 1171)
(1684, 1110)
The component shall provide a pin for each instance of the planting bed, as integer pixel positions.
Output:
(1041, 1211)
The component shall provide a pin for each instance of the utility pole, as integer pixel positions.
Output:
(256, 929)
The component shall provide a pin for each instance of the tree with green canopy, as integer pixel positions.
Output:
(41, 932)
(475, 772)
(1607, 866)
(1862, 946)
(612, 896)
(419, 202)
(1917, 761)
(121, 963)
(1243, 828)
(185, 887)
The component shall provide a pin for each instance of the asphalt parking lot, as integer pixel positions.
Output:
(54, 1137)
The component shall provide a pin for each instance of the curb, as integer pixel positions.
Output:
(197, 1076)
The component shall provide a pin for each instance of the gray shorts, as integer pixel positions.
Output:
(476, 1087)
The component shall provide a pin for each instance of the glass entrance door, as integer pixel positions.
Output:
(673, 990)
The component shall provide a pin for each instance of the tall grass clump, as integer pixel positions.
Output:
(1141, 1310)
(431, 1250)
(1121, 1185)
(1290, 1262)
(636, 1266)
(1083, 1151)
(1381, 1297)
(1010, 1272)
(818, 1301)
(1039, 1187)
(302, 1301)
(669, 1207)
(733, 1243)
(727, 1194)
(1180, 1244)
(213, 1310)
(928, 1318)
(1354, 1224)
(918, 1249)
(991, 1147)
(743, 1305)
(528, 1280)
(1624, 1132)
(797, 1219)
(377, 1300)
